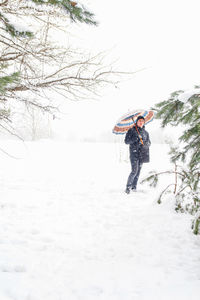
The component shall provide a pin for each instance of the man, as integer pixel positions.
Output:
(138, 140)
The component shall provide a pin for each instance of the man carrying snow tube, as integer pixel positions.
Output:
(138, 140)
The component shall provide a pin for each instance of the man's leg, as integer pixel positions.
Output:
(134, 171)
(134, 185)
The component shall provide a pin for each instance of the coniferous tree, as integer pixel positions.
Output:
(183, 110)
(176, 112)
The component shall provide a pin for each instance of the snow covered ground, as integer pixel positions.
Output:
(68, 231)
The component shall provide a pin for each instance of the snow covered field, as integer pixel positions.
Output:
(68, 231)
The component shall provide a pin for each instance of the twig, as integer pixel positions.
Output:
(159, 199)
(9, 154)
(175, 186)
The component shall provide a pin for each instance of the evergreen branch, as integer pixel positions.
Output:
(12, 30)
(161, 173)
(185, 111)
(76, 13)
(182, 189)
(159, 198)
(6, 80)
(196, 226)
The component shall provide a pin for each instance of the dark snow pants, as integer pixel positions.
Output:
(136, 166)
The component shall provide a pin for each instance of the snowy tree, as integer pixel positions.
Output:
(183, 109)
(34, 64)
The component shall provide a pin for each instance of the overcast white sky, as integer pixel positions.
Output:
(160, 36)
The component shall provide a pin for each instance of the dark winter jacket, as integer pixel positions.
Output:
(137, 150)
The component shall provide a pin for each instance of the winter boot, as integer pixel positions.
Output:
(127, 191)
